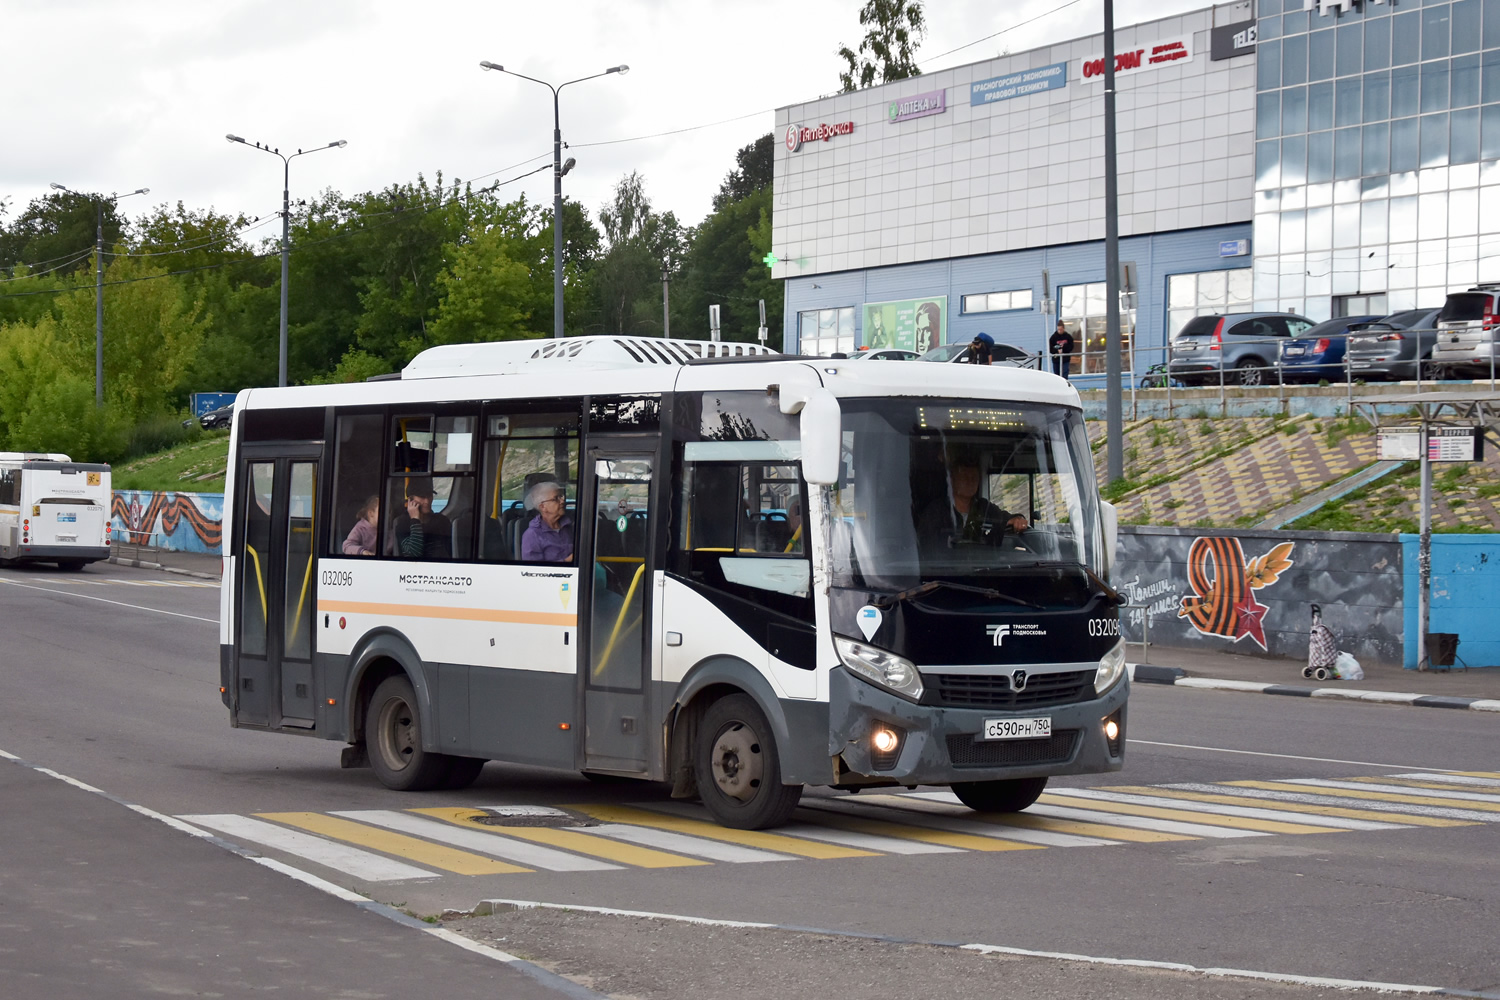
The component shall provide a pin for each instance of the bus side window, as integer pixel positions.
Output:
(10, 487)
(522, 453)
(356, 481)
(428, 512)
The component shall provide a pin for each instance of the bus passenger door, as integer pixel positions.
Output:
(616, 651)
(277, 591)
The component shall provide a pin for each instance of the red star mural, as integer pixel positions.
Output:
(1249, 613)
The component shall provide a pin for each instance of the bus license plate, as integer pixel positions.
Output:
(1018, 729)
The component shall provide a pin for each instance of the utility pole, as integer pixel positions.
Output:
(666, 315)
(1424, 551)
(1114, 425)
(286, 229)
(99, 284)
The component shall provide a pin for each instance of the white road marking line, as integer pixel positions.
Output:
(495, 845)
(1275, 977)
(350, 860)
(1361, 786)
(865, 841)
(1332, 798)
(1283, 756)
(682, 843)
(1143, 823)
(101, 600)
(1247, 812)
(1452, 779)
(929, 821)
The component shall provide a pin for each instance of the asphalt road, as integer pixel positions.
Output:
(110, 676)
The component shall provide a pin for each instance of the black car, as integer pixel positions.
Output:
(1390, 347)
(217, 418)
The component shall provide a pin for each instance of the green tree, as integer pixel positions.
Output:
(894, 29)
(723, 266)
(627, 279)
(488, 289)
(754, 169)
(56, 232)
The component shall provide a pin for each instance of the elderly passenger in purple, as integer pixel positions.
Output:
(549, 536)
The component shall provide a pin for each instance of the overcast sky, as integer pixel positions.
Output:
(110, 95)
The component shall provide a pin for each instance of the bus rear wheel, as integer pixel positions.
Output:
(393, 735)
(738, 768)
(1008, 796)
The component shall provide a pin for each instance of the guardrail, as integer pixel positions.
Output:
(1158, 377)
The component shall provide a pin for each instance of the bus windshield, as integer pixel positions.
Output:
(974, 493)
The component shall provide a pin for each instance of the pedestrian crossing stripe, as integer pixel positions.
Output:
(392, 845)
(1209, 793)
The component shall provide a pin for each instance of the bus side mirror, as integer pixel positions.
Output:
(1109, 519)
(822, 431)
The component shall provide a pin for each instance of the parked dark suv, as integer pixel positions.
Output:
(1390, 347)
(1243, 346)
(1466, 332)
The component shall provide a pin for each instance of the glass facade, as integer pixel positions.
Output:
(826, 331)
(1377, 155)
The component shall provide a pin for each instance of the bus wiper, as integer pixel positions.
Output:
(893, 599)
(1109, 593)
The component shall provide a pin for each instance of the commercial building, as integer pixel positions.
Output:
(1322, 160)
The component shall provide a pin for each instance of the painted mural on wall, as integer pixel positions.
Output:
(1252, 592)
(1224, 585)
(181, 522)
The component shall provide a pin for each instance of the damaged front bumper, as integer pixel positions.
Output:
(942, 746)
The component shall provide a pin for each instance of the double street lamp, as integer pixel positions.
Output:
(99, 285)
(558, 169)
(286, 224)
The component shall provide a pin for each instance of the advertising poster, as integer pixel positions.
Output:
(912, 324)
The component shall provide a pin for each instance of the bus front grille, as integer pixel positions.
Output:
(968, 751)
(996, 691)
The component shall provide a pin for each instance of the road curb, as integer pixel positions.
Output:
(143, 564)
(1149, 674)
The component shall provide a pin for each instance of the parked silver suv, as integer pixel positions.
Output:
(1242, 346)
(1466, 328)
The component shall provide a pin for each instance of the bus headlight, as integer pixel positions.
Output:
(895, 673)
(1111, 668)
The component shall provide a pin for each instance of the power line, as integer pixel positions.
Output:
(675, 131)
(38, 274)
(1013, 27)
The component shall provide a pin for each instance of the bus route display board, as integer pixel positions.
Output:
(1444, 444)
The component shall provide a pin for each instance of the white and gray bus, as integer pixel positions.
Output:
(53, 509)
(706, 564)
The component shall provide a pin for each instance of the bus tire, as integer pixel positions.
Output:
(1011, 795)
(738, 768)
(393, 734)
(462, 772)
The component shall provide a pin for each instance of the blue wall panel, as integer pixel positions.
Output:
(1156, 257)
(1465, 586)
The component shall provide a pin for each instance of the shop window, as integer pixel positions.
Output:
(826, 331)
(528, 459)
(1081, 308)
(1359, 305)
(1206, 293)
(998, 301)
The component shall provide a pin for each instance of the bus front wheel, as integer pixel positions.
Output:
(393, 734)
(738, 768)
(1000, 796)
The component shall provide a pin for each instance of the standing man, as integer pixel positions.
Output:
(1060, 346)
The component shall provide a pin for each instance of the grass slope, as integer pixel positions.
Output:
(196, 467)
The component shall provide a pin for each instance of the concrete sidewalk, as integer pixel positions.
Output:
(1456, 688)
(203, 565)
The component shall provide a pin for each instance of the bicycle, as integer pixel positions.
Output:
(1156, 377)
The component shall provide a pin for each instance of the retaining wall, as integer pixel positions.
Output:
(1251, 591)
(177, 522)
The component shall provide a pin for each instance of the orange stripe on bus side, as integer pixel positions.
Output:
(460, 614)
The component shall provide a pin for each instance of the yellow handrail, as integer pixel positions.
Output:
(260, 580)
(499, 469)
(609, 647)
(793, 540)
(307, 577)
(620, 559)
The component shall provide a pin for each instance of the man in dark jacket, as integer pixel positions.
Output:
(1060, 346)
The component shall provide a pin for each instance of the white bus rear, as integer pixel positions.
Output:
(53, 509)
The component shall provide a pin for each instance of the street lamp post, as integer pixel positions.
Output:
(558, 169)
(99, 284)
(286, 229)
